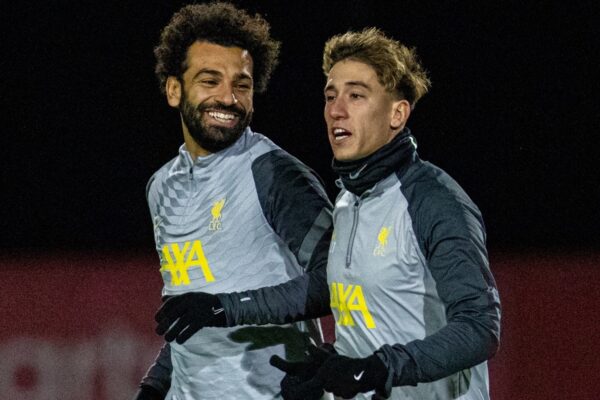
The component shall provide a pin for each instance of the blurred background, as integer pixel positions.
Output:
(512, 116)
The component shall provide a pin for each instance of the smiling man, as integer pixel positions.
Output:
(232, 211)
(214, 96)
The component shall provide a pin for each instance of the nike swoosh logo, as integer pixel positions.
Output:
(217, 310)
(357, 377)
(357, 173)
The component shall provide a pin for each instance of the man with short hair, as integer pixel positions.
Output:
(232, 211)
(416, 306)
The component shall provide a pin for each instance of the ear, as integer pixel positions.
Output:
(173, 89)
(400, 114)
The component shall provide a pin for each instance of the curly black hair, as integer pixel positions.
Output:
(219, 23)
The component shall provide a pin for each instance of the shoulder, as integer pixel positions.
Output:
(161, 174)
(425, 183)
(270, 160)
(434, 197)
(279, 176)
(258, 144)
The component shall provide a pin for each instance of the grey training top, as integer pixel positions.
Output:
(408, 279)
(243, 218)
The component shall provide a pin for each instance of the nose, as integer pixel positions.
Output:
(226, 95)
(337, 109)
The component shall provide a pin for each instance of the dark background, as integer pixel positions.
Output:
(512, 114)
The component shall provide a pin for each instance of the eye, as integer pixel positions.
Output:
(209, 82)
(329, 98)
(356, 96)
(244, 86)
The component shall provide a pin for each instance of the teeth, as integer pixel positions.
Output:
(340, 134)
(221, 116)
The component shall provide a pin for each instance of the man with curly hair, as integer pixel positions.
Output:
(231, 212)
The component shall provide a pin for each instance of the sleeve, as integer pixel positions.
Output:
(159, 373)
(451, 235)
(296, 206)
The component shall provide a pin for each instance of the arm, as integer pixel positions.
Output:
(451, 236)
(296, 206)
(155, 384)
(157, 381)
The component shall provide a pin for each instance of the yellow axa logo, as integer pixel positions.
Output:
(382, 241)
(178, 260)
(347, 299)
(215, 223)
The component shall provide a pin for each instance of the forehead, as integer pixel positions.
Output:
(351, 72)
(205, 55)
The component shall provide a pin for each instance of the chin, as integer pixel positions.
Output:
(343, 156)
(344, 152)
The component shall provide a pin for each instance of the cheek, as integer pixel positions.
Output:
(247, 102)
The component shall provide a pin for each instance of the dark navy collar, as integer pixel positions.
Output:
(357, 176)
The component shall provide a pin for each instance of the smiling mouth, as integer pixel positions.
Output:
(340, 134)
(224, 117)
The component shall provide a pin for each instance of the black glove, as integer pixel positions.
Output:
(300, 372)
(346, 377)
(183, 315)
(148, 393)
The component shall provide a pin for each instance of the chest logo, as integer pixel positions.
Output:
(177, 261)
(346, 299)
(215, 223)
(382, 241)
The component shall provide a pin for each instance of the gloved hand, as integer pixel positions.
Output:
(181, 316)
(346, 377)
(148, 393)
(300, 372)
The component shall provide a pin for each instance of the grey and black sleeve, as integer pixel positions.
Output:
(159, 373)
(297, 208)
(451, 235)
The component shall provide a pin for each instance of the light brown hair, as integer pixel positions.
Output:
(397, 67)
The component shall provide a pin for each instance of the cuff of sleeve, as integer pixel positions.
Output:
(383, 377)
(149, 391)
(226, 299)
(157, 384)
(401, 369)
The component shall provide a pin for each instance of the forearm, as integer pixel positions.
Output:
(299, 299)
(159, 373)
(467, 340)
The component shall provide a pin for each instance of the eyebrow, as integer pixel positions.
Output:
(351, 84)
(216, 73)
